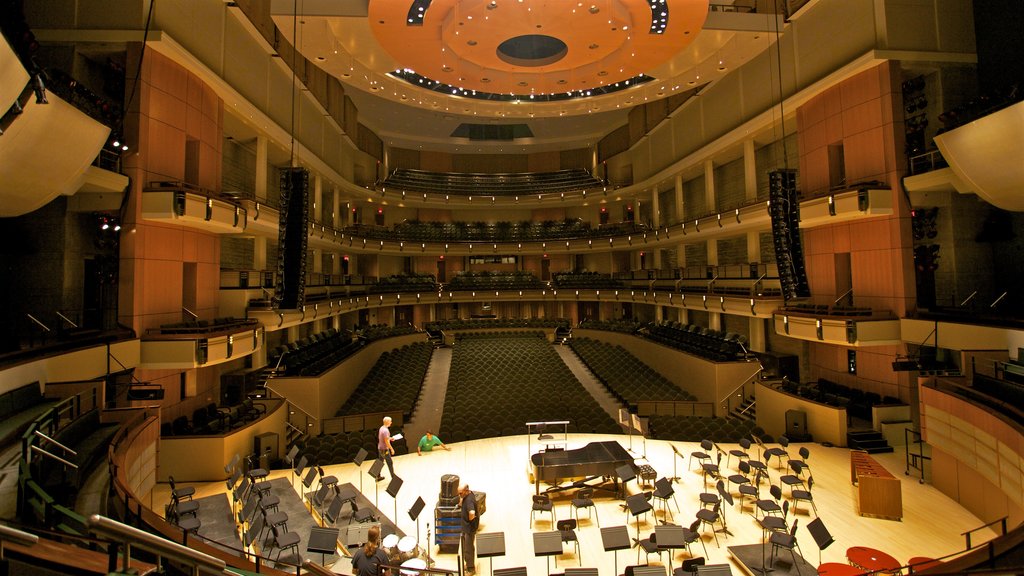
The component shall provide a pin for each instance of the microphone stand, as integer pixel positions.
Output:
(430, 545)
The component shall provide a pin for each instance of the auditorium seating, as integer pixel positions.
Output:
(495, 281)
(203, 326)
(405, 283)
(312, 355)
(393, 383)
(502, 184)
(500, 381)
(588, 280)
(503, 231)
(626, 377)
(698, 340)
(623, 326)
(857, 402)
(491, 323)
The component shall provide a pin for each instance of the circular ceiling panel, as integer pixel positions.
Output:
(534, 46)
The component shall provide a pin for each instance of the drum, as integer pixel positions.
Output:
(419, 563)
(390, 547)
(407, 548)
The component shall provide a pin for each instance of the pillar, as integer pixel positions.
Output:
(656, 222)
(261, 168)
(749, 170)
(758, 337)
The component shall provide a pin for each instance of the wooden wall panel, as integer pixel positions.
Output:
(436, 161)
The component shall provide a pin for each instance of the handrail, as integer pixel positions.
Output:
(317, 569)
(726, 398)
(968, 299)
(36, 320)
(843, 295)
(8, 534)
(998, 300)
(967, 535)
(34, 448)
(911, 459)
(161, 547)
(190, 313)
(66, 319)
(52, 441)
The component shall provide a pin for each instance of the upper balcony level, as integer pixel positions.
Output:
(216, 213)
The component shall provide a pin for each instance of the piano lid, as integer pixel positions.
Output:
(592, 453)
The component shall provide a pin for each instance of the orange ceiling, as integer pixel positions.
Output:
(608, 41)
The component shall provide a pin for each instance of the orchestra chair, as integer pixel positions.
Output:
(542, 503)
(701, 455)
(567, 528)
(585, 499)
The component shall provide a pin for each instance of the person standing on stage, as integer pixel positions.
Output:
(368, 559)
(470, 523)
(384, 448)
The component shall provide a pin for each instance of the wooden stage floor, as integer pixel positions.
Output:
(932, 523)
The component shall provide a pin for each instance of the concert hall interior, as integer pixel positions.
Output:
(693, 285)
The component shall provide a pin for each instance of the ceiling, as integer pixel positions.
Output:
(458, 45)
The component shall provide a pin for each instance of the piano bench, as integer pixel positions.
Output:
(647, 474)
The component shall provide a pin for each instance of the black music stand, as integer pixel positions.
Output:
(821, 535)
(489, 545)
(649, 571)
(625, 473)
(671, 538)
(547, 544)
(322, 540)
(414, 514)
(675, 472)
(615, 538)
(518, 571)
(347, 493)
(637, 504)
(374, 471)
(393, 487)
(358, 461)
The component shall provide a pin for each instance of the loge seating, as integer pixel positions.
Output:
(495, 281)
(589, 280)
(405, 283)
(476, 184)
(393, 383)
(704, 342)
(314, 354)
(499, 381)
(626, 377)
(504, 231)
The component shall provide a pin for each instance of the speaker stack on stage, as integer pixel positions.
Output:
(293, 239)
(784, 209)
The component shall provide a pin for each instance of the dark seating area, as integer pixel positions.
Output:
(499, 381)
(495, 281)
(696, 428)
(588, 280)
(827, 310)
(626, 377)
(504, 231)
(205, 326)
(393, 383)
(858, 403)
(624, 326)
(477, 184)
(496, 323)
(213, 419)
(405, 283)
(342, 447)
(379, 331)
(313, 354)
(709, 344)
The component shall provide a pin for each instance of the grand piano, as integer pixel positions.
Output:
(592, 461)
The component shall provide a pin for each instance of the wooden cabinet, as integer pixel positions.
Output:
(878, 492)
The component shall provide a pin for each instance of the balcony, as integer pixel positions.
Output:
(193, 207)
(840, 326)
(200, 343)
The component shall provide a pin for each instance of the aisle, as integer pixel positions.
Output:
(431, 401)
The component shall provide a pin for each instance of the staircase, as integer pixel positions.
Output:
(870, 441)
(745, 411)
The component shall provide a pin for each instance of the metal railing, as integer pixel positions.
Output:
(130, 537)
(967, 535)
(927, 162)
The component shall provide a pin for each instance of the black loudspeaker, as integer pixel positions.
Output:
(267, 442)
(796, 424)
(292, 239)
(784, 210)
